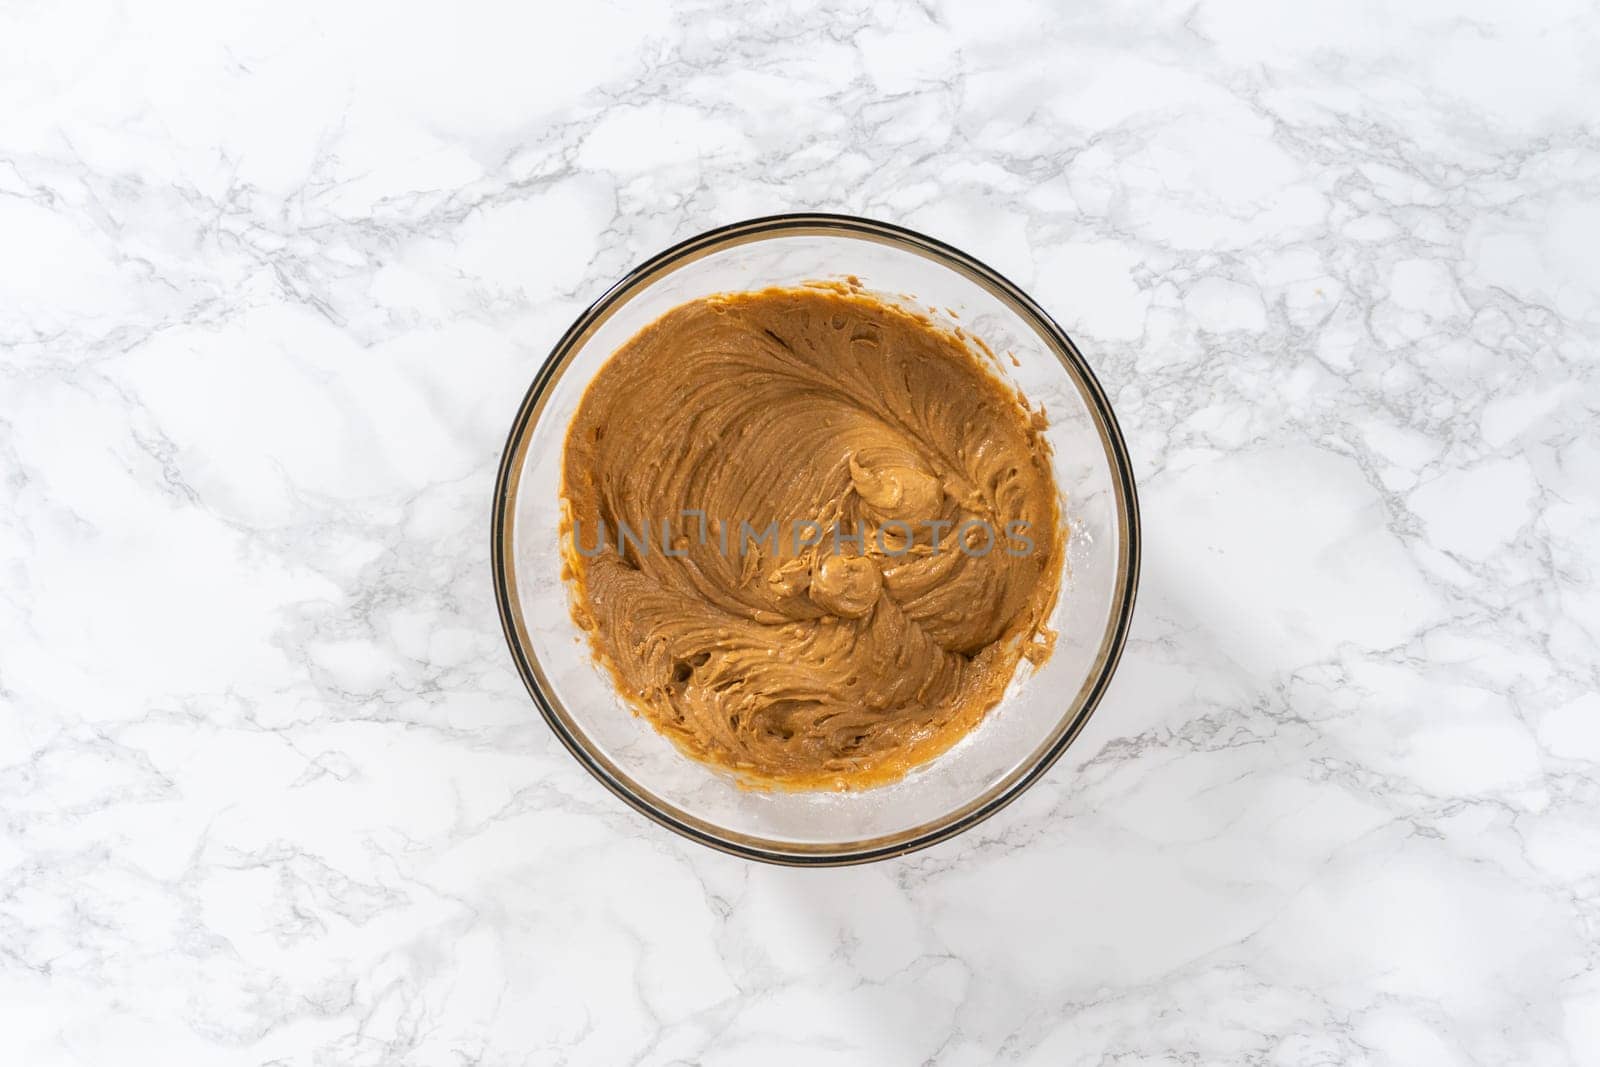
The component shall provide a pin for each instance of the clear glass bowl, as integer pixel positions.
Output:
(1044, 708)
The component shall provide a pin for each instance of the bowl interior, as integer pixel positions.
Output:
(1042, 709)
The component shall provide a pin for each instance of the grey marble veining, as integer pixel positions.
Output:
(273, 279)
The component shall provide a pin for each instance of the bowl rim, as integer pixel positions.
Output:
(1073, 719)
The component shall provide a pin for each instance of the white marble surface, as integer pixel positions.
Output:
(273, 280)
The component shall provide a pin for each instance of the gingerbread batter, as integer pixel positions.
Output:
(845, 649)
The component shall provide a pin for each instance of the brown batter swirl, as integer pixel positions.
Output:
(830, 665)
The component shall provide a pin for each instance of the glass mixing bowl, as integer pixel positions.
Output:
(1043, 709)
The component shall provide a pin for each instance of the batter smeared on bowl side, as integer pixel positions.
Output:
(754, 488)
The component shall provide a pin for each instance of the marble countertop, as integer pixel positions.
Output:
(274, 278)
